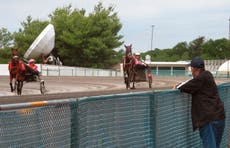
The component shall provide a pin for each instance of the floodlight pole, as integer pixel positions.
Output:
(152, 37)
(229, 49)
(229, 30)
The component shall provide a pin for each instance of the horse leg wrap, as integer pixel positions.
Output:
(19, 88)
(11, 87)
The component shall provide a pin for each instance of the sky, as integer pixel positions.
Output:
(147, 24)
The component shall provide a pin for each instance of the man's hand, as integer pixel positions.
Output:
(175, 86)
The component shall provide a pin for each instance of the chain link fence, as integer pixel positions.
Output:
(152, 119)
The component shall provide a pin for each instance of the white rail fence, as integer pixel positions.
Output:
(53, 70)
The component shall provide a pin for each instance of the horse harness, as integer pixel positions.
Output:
(16, 68)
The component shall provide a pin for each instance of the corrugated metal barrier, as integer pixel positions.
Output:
(136, 120)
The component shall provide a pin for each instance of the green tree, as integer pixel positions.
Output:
(6, 38)
(216, 49)
(181, 50)
(195, 47)
(119, 55)
(5, 55)
(69, 28)
(28, 33)
(87, 40)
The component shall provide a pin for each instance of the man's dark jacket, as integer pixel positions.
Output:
(206, 103)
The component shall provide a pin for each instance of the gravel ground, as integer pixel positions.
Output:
(75, 87)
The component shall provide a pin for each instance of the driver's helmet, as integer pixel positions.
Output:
(137, 54)
(31, 61)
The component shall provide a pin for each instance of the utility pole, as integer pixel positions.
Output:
(152, 37)
(229, 30)
(229, 49)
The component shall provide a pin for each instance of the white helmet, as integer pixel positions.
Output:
(31, 61)
(137, 54)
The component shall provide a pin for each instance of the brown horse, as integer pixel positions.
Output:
(17, 72)
(135, 71)
(128, 65)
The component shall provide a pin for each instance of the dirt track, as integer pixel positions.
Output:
(75, 87)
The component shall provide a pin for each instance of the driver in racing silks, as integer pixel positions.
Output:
(34, 67)
(31, 64)
(139, 63)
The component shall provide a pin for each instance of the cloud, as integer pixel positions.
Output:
(174, 20)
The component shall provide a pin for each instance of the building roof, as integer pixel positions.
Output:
(169, 64)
